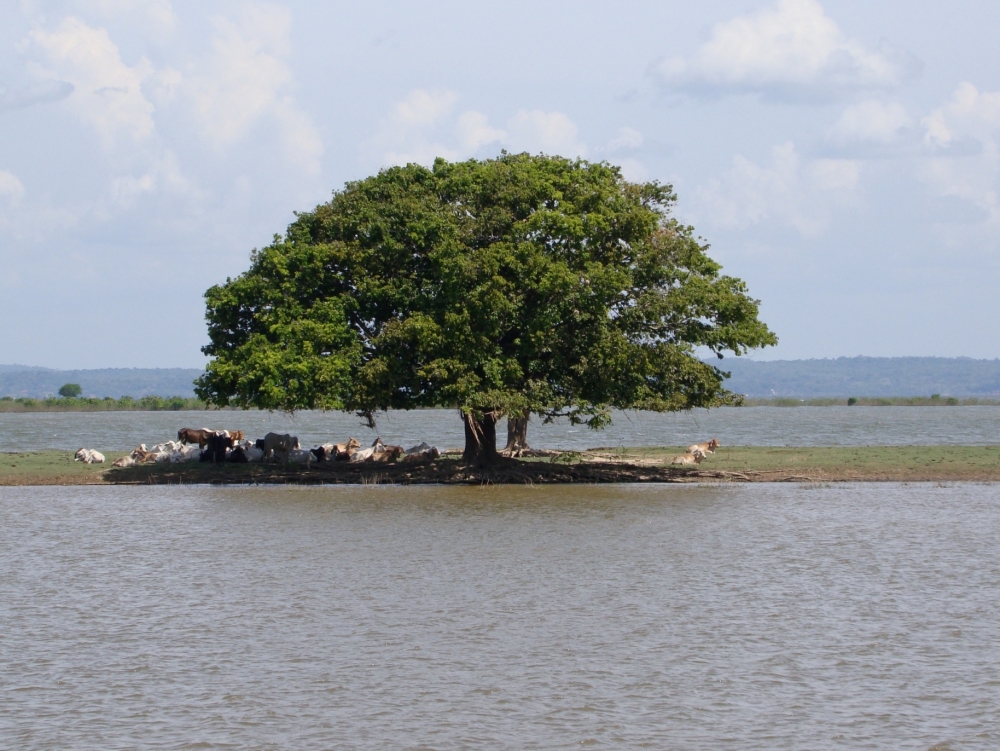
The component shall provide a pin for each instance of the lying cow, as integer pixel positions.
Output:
(89, 456)
(125, 461)
(705, 448)
(278, 446)
(695, 457)
(340, 452)
(254, 452)
(187, 454)
(388, 454)
(422, 454)
(345, 450)
(364, 455)
(300, 456)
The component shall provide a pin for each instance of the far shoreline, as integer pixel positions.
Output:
(22, 406)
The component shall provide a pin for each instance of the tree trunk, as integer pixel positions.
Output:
(480, 438)
(517, 435)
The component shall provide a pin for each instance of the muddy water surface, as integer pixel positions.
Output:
(764, 617)
(745, 426)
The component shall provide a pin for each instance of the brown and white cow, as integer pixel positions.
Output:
(708, 447)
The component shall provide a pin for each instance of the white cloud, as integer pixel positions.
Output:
(790, 49)
(246, 79)
(633, 170)
(833, 174)
(970, 118)
(412, 132)
(159, 13)
(125, 189)
(11, 189)
(548, 132)
(164, 84)
(871, 121)
(422, 108)
(786, 191)
(970, 114)
(626, 138)
(474, 131)
(107, 93)
(163, 176)
(422, 126)
(240, 80)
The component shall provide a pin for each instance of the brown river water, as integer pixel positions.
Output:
(693, 617)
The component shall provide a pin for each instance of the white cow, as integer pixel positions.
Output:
(89, 456)
(187, 453)
(431, 452)
(301, 456)
(364, 455)
(253, 453)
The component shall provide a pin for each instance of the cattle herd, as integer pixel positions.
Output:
(218, 446)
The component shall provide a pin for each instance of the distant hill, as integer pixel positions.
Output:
(864, 376)
(22, 380)
(14, 368)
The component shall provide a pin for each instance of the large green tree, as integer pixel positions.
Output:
(511, 286)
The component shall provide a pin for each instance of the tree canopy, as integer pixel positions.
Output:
(70, 390)
(516, 285)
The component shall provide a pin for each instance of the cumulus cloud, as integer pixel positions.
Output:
(625, 138)
(413, 130)
(246, 79)
(162, 176)
(474, 131)
(788, 50)
(871, 121)
(633, 170)
(962, 137)
(159, 13)
(787, 191)
(548, 132)
(969, 114)
(11, 189)
(107, 93)
(423, 108)
(423, 126)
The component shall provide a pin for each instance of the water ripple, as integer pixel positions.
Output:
(770, 617)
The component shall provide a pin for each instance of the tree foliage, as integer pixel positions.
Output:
(522, 284)
(70, 390)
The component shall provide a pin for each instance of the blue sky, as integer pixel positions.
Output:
(841, 157)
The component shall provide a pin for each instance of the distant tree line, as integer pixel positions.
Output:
(93, 404)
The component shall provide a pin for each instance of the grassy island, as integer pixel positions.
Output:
(622, 465)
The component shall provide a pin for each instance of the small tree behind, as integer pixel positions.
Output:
(514, 286)
(70, 390)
